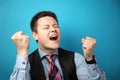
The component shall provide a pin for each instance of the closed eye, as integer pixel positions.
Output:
(46, 27)
(56, 26)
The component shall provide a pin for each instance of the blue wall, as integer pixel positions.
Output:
(78, 18)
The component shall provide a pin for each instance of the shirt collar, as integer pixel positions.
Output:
(42, 53)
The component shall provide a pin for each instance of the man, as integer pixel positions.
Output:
(40, 65)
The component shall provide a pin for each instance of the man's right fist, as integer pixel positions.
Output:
(22, 43)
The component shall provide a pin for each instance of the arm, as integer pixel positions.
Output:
(87, 71)
(22, 67)
(91, 69)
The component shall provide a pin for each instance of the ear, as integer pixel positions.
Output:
(35, 35)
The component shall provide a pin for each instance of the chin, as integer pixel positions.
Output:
(54, 46)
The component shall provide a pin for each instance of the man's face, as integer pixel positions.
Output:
(48, 33)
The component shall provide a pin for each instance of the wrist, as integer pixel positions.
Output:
(92, 61)
(23, 52)
(89, 57)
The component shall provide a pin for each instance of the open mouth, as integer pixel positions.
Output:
(53, 37)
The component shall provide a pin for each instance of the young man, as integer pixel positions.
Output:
(40, 65)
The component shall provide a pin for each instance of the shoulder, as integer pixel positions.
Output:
(78, 55)
(79, 59)
(65, 53)
(34, 53)
(64, 50)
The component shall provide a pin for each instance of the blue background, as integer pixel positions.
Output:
(77, 18)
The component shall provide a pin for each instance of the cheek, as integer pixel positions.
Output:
(58, 30)
(42, 36)
(42, 40)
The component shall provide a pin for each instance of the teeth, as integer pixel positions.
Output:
(53, 35)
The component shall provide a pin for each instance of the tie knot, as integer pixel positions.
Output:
(50, 58)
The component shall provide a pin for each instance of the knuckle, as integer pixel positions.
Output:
(12, 37)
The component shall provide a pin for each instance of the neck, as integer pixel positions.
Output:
(48, 50)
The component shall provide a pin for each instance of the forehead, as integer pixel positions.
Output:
(46, 20)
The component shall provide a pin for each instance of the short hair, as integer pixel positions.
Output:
(40, 15)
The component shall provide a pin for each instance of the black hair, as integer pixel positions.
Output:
(40, 15)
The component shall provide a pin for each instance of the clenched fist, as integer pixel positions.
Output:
(22, 43)
(88, 45)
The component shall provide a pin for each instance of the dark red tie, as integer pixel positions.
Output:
(53, 72)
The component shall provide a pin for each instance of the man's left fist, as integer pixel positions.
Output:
(88, 45)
